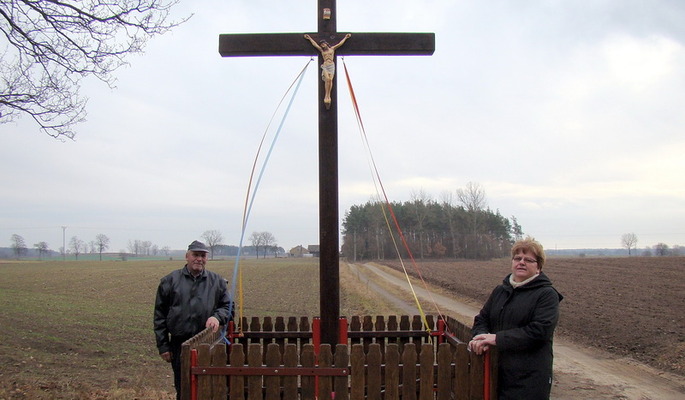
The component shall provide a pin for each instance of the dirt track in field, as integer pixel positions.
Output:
(582, 371)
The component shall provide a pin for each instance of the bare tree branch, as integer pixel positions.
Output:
(48, 46)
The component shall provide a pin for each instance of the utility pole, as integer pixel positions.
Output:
(64, 243)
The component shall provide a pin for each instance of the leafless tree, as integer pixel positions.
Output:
(18, 245)
(101, 243)
(257, 241)
(76, 245)
(268, 241)
(135, 247)
(42, 248)
(472, 197)
(212, 238)
(629, 241)
(48, 46)
(146, 245)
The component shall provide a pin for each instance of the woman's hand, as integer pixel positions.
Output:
(480, 343)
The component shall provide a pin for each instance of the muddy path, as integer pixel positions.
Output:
(580, 372)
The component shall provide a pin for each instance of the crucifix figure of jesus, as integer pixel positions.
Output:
(292, 44)
(328, 66)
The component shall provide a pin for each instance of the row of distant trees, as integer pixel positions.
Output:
(431, 230)
(141, 248)
(629, 242)
(459, 225)
(76, 246)
(662, 249)
(263, 242)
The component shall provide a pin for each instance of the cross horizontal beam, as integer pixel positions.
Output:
(294, 44)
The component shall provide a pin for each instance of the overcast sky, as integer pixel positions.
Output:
(569, 114)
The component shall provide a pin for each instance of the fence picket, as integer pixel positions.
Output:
(273, 383)
(341, 383)
(409, 372)
(427, 360)
(218, 382)
(254, 382)
(325, 360)
(367, 326)
(476, 377)
(444, 371)
(237, 382)
(204, 382)
(462, 366)
(308, 359)
(290, 359)
(392, 372)
(380, 327)
(373, 372)
(357, 371)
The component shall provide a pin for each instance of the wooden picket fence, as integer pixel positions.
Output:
(378, 358)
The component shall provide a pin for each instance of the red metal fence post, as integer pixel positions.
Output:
(316, 338)
(316, 334)
(193, 377)
(342, 330)
(441, 330)
(486, 376)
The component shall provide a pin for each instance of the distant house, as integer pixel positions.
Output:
(298, 251)
(314, 250)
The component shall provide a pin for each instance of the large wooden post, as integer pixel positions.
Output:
(329, 267)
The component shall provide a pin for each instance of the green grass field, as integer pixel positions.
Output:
(83, 329)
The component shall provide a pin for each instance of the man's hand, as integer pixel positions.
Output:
(166, 356)
(213, 323)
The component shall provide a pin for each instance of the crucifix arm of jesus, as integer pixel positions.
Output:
(328, 66)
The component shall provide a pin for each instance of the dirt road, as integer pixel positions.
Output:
(580, 373)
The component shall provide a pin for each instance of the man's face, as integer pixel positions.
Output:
(196, 261)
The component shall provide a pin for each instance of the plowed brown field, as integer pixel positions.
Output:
(632, 306)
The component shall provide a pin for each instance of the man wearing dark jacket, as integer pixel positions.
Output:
(189, 300)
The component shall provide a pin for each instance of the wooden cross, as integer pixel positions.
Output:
(295, 44)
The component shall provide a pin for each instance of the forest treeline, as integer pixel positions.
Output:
(430, 229)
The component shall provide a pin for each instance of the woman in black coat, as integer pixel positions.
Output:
(519, 318)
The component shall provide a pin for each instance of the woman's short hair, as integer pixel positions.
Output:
(531, 245)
